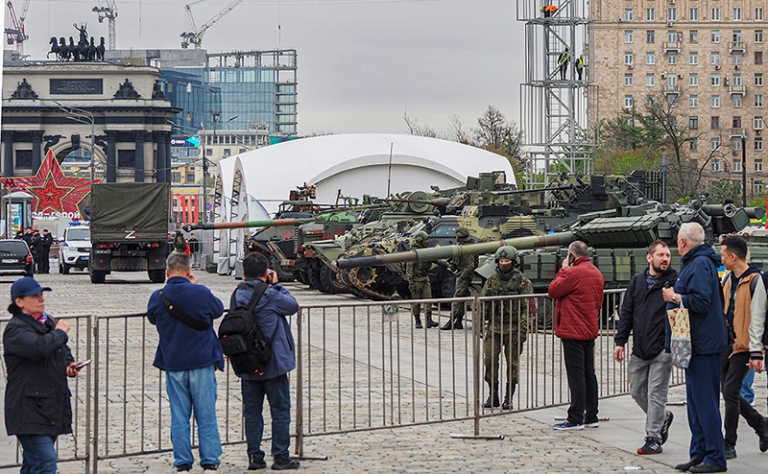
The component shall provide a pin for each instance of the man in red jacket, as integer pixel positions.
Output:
(578, 291)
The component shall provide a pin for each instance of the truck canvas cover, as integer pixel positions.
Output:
(119, 208)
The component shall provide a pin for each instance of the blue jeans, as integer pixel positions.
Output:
(39, 454)
(278, 392)
(196, 389)
(746, 386)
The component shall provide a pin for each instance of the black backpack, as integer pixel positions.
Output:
(241, 337)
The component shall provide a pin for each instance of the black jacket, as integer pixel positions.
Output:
(644, 313)
(37, 398)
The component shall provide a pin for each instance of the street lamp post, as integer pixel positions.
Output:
(744, 170)
(205, 166)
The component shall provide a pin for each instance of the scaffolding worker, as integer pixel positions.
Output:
(548, 10)
(564, 59)
(580, 66)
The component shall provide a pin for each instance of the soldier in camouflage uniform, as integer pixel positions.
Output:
(463, 267)
(506, 324)
(417, 274)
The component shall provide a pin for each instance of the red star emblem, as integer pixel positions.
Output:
(53, 192)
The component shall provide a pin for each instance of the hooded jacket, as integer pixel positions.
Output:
(579, 294)
(699, 287)
(643, 313)
(37, 399)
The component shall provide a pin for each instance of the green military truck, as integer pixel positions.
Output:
(129, 229)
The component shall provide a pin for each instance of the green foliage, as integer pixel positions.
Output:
(723, 190)
(623, 161)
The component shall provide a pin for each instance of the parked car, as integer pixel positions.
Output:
(15, 257)
(74, 248)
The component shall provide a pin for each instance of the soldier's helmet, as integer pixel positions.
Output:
(506, 252)
(462, 233)
(421, 237)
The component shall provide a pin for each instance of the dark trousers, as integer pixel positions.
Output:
(580, 368)
(732, 372)
(702, 391)
(278, 392)
(44, 265)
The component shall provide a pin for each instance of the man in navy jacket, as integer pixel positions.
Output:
(270, 312)
(189, 357)
(698, 289)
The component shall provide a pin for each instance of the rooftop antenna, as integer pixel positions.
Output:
(389, 177)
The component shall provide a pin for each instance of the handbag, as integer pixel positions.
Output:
(680, 343)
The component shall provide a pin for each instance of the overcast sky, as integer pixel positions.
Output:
(361, 63)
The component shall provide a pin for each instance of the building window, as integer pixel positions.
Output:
(759, 145)
(758, 100)
(208, 152)
(650, 36)
(629, 14)
(190, 177)
(24, 159)
(737, 58)
(672, 57)
(671, 14)
(175, 178)
(715, 101)
(758, 78)
(737, 100)
(715, 144)
(693, 122)
(715, 36)
(693, 58)
(650, 80)
(737, 14)
(671, 79)
(628, 58)
(736, 163)
(126, 159)
(628, 36)
(693, 36)
(759, 123)
(758, 165)
(737, 35)
(672, 36)
(650, 14)
(758, 57)
(715, 162)
(758, 36)
(715, 80)
(737, 79)
(694, 144)
(736, 121)
(714, 58)
(628, 79)
(650, 58)
(759, 14)
(630, 121)
(629, 101)
(693, 14)
(715, 123)
(715, 14)
(693, 101)
(693, 80)
(649, 101)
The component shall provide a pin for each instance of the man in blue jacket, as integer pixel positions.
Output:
(698, 289)
(270, 312)
(189, 352)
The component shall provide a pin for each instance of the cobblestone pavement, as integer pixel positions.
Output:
(529, 444)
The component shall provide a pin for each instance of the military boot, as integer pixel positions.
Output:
(493, 398)
(507, 403)
(452, 324)
(431, 323)
(418, 322)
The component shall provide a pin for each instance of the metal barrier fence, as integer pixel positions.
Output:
(360, 366)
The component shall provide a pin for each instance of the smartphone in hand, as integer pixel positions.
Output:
(82, 364)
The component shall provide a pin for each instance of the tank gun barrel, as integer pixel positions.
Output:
(439, 202)
(244, 224)
(537, 190)
(451, 251)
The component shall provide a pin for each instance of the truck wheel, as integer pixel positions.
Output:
(156, 276)
(98, 276)
(328, 279)
(65, 268)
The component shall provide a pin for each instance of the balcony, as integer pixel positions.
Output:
(672, 46)
(671, 90)
(737, 132)
(741, 89)
(737, 46)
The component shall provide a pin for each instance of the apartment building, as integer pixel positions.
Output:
(706, 55)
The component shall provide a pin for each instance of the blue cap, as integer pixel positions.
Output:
(26, 286)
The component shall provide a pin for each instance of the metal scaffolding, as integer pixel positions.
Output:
(556, 105)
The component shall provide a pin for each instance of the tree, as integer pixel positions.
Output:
(724, 189)
(415, 129)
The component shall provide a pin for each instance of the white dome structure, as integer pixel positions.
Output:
(356, 164)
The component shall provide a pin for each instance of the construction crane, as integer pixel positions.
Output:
(15, 32)
(193, 35)
(108, 11)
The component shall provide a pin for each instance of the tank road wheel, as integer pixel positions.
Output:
(328, 279)
(156, 276)
(301, 276)
(313, 273)
(98, 276)
(281, 274)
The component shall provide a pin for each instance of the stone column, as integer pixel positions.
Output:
(167, 157)
(111, 157)
(162, 162)
(7, 138)
(37, 156)
(138, 164)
